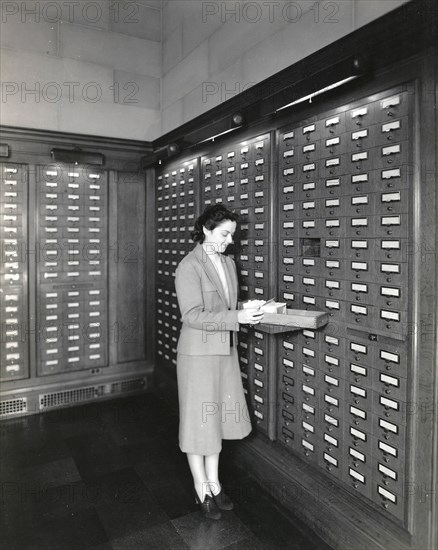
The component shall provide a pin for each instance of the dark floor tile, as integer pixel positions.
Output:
(124, 485)
(33, 447)
(124, 504)
(57, 472)
(159, 537)
(17, 540)
(10, 470)
(111, 476)
(172, 486)
(204, 534)
(137, 432)
(77, 421)
(269, 524)
(175, 497)
(244, 491)
(30, 426)
(250, 543)
(139, 452)
(154, 444)
(27, 514)
(39, 493)
(156, 463)
(76, 532)
(148, 410)
(16, 515)
(96, 454)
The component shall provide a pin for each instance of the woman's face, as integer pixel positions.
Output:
(220, 237)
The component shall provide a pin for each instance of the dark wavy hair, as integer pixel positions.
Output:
(211, 217)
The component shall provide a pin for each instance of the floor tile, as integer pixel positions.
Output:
(250, 543)
(124, 504)
(96, 454)
(78, 532)
(200, 533)
(29, 447)
(175, 497)
(257, 510)
(56, 472)
(111, 476)
(159, 537)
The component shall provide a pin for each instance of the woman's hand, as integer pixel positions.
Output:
(250, 316)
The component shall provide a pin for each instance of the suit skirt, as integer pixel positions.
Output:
(212, 404)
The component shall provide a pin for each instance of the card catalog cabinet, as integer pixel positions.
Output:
(345, 209)
(237, 175)
(72, 271)
(14, 354)
(72, 277)
(177, 207)
(340, 193)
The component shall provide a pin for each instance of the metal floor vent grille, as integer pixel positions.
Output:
(89, 393)
(129, 385)
(69, 397)
(13, 406)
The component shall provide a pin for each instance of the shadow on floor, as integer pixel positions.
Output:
(111, 476)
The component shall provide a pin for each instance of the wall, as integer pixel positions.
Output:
(214, 50)
(137, 69)
(89, 67)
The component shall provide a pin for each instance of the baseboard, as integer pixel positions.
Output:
(336, 516)
(46, 398)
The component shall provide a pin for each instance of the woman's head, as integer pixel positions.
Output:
(215, 226)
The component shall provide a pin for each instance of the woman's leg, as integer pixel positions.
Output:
(212, 472)
(200, 478)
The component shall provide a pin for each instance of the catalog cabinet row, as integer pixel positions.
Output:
(329, 200)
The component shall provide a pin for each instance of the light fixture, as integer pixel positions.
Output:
(347, 70)
(172, 149)
(238, 119)
(317, 93)
(160, 154)
(167, 150)
(212, 138)
(77, 156)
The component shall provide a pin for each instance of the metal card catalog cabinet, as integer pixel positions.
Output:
(244, 187)
(72, 235)
(237, 175)
(177, 189)
(13, 272)
(344, 176)
(60, 300)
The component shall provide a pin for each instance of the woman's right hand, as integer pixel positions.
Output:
(250, 316)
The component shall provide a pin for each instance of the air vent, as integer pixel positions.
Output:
(89, 393)
(69, 397)
(135, 384)
(13, 406)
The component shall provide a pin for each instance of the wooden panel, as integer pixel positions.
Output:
(128, 255)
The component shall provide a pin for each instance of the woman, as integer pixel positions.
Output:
(211, 399)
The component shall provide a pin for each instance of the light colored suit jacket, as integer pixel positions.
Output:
(206, 319)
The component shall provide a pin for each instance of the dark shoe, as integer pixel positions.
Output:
(223, 502)
(208, 507)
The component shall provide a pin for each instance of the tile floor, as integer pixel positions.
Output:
(110, 476)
